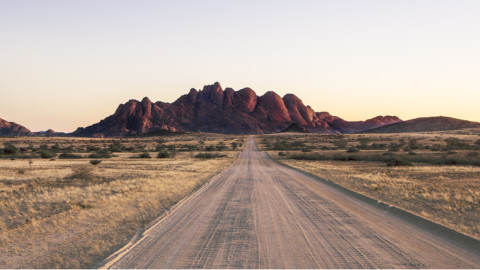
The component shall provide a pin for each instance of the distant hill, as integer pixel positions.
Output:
(13, 129)
(426, 124)
(213, 109)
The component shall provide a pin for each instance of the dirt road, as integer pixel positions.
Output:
(259, 214)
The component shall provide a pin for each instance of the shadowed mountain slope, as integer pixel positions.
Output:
(13, 129)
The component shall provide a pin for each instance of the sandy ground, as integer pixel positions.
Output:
(259, 214)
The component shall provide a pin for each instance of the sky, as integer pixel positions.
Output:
(68, 64)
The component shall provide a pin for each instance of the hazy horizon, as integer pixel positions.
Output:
(69, 64)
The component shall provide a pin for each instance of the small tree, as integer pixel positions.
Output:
(234, 145)
(10, 149)
(144, 155)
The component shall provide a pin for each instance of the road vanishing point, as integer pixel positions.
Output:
(260, 214)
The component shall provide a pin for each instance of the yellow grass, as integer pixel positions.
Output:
(448, 194)
(51, 220)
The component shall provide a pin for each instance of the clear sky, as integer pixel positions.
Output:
(66, 63)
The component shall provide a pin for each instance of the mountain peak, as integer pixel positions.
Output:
(146, 100)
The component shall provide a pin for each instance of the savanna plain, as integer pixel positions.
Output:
(71, 202)
(434, 175)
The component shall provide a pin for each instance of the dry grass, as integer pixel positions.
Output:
(71, 214)
(445, 193)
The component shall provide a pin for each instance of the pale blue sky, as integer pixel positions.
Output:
(65, 63)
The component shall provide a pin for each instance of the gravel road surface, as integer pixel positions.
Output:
(259, 214)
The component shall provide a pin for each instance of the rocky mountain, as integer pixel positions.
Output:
(13, 129)
(213, 109)
(426, 124)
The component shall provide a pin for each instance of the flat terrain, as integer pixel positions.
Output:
(259, 214)
(67, 213)
(435, 175)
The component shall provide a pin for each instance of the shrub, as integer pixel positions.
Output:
(364, 142)
(69, 156)
(449, 162)
(82, 172)
(116, 146)
(352, 150)
(210, 148)
(160, 147)
(282, 154)
(473, 154)
(10, 149)
(164, 154)
(208, 155)
(340, 143)
(95, 161)
(221, 146)
(46, 154)
(103, 153)
(144, 155)
(398, 162)
(311, 156)
(393, 147)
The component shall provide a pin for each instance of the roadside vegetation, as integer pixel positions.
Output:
(89, 197)
(436, 175)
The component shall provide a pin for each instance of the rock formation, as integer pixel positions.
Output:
(213, 109)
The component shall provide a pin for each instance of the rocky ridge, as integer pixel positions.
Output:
(213, 109)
